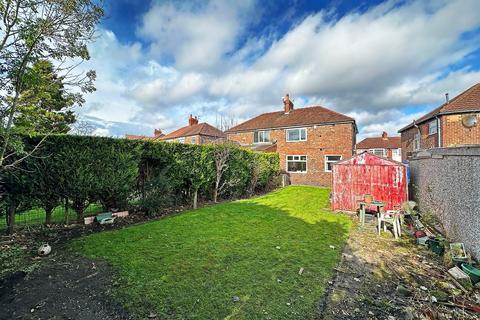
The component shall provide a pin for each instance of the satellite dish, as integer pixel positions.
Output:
(469, 121)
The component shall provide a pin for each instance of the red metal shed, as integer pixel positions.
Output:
(366, 173)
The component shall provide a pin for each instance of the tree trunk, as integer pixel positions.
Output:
(195, 198)
(215, 191)
(65, 212)
(79, 207)
(11, 218)
(48, 215)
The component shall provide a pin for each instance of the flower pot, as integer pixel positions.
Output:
(436, 246)
(472, 272)
(420, 234)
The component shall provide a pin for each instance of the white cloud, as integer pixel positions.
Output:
(369, 64)
(197, 38)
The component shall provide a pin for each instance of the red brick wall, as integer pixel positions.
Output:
(338, 139)
(452, 130)
(454, 133)
(426, 141)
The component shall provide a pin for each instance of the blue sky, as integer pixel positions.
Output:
(384, 63)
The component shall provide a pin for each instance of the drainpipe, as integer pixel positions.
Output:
(419, 134)
(439, 132)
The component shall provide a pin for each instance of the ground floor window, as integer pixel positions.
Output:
(397, 154)
(297, 163)
(379, 152)
(194, 140)
(330, 160)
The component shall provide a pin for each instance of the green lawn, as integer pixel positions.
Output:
(37, 215)
(189, 266)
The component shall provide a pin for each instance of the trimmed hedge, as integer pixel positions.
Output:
(114, 172)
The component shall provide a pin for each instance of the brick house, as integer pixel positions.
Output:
(384, 146)
(454, 123)
(157, 134)
(195, 133)
(308, 140)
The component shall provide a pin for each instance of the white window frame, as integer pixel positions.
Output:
(298, 160)
(299, 134)
(264, 132)
(331, 161)
(416, 141)
(396, 153)
(193, 140)
(384, 152)
(181, 140)
(433, 124)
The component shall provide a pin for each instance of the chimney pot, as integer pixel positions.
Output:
(384, 135)
(287, 104)
(447, 99)
(157, 132)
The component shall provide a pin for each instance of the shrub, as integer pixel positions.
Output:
(86, 169)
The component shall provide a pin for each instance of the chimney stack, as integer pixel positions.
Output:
(192, 121)
(157, 133)
(384, 135)
(447, 99)
(287, 104)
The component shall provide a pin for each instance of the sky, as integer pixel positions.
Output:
(382, 63)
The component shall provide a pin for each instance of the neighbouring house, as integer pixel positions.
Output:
(195, 133)
(454, 123)
(157, 134)
(384, 146)
(309, 140)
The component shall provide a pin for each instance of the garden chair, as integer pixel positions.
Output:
(389, 217)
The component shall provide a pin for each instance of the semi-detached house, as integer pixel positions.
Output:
(308, 140)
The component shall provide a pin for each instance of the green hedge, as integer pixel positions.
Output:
(80, 170)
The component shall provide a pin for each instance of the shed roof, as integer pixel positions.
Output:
(367, 158)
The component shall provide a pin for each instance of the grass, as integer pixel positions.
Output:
(37, 215)
(189, 266)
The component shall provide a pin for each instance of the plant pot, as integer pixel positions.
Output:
(423, 241)
(458, 251)
(420, 234)
(436, 246)
(472, 272)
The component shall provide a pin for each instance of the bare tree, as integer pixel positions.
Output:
(221, 155)
(82, 128)
(224, 123)
(32, 30)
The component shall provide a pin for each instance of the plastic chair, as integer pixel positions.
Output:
(389, 217)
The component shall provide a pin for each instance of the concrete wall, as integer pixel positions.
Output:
(446, 182)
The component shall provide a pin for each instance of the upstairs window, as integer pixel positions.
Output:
(296, 135)
(416, 142)
(433, 127)
(297, 163)
(379, 152)
(261, 136)
(329, 161)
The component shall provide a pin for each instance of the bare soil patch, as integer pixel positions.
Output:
(62, 288)
(383, 278)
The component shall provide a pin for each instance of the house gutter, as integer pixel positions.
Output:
(438, 114)
(297, 126)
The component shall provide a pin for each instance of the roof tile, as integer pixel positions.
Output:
(296, 117)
